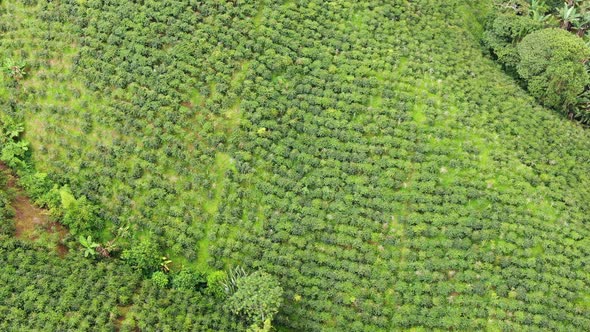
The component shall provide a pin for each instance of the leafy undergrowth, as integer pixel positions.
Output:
(30, 221)
(366, 153)
(42, 292)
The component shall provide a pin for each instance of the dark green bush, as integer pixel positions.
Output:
(40, 291)
(7, 226)
(79, 215)
(257, 299)
(552, 62)
(160, 279)
(143, 255)
(215, 283)
(188, 279)
(505, 32)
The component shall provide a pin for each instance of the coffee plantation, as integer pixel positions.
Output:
(298, 165)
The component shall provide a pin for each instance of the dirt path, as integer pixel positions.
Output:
(30, 219)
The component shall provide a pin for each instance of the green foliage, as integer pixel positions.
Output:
(51, 199)
(14, 69)
(6, 210)
(143, 255)
(216, 283)
(187, 279)
(266, 327)
(160, 279)
(550, 4)
(402, 180)
(37, 185)
(257, 298)
(10, 128)
(164, 309)
(582, 111)
(505, 32)
(552, 62)
(13, 153)
(538, 11)
(41, 292)
(230, 284)
(13, 150)
(78, 214)
(88, 246)
(563, 83)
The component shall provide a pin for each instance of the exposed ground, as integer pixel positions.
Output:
(30, 220)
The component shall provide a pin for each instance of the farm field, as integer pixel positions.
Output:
(299, 165)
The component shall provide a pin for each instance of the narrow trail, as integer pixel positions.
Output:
(29, 218)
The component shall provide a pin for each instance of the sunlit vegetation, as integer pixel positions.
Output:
(40, 291)
(545, 43)
(310, 165)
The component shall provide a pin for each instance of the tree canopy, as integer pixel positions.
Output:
(257, 298)
(553, 62)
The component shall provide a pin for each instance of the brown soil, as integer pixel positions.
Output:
(123, 310)
(29, 218)
(187, 104)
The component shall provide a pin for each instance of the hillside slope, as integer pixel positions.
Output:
(366, 153)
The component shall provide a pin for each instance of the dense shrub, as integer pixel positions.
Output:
(41, 292)
(257, 299)
(188, 279)
(6, 210)
(160, 279)
(38, 185)
(162, 309)
(504, 34)
(552, 62)
(143, 255)
(79, 215)
(215, 283)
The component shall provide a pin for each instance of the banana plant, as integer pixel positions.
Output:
(583, 23)
(581, 26)
(88, 245)
(538, 11)
(165, 264)
(568, 15)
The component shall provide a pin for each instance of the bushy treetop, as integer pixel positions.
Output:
(552, 61)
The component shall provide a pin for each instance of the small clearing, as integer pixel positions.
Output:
(30, 219)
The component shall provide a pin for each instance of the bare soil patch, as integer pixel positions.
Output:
(30, 219)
